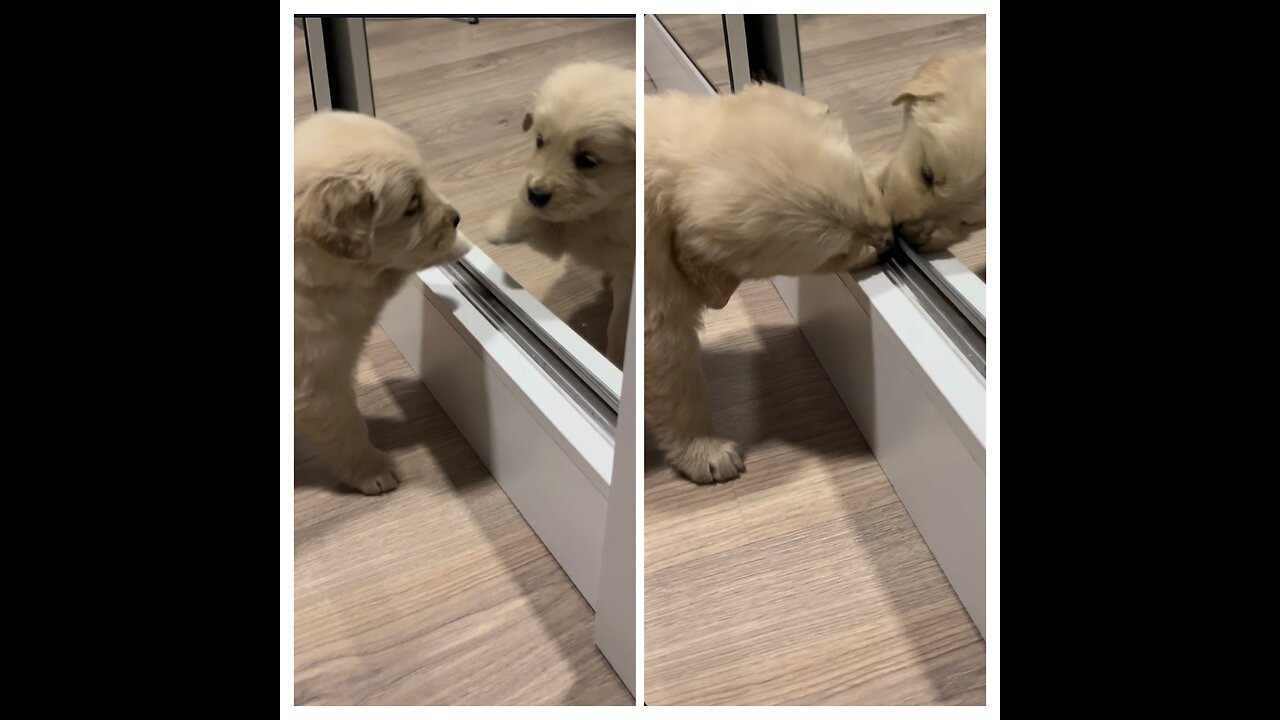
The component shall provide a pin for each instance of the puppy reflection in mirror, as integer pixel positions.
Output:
(936, 183)
(578, 191)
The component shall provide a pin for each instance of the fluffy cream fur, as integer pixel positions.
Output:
(364, 219)
(936, 184)
(583, 168)
(752, 185)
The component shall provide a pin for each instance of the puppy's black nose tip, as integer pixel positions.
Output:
(539, 198)
(457, 218)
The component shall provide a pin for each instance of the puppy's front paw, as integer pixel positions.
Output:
(498, 230)
(866, 256)
(376, 476)
(708, 460)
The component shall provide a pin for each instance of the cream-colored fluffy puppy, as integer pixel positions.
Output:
(936, 184)
(752, 185)
(363, 220)
(579, 190)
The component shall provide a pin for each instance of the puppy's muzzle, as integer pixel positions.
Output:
(885, 242)
(915, 234)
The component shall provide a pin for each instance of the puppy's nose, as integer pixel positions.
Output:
(538, 198)
(457, 218)
(886, 242)
(911, 233)
(896, 235)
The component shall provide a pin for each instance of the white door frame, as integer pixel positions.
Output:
(616, 608)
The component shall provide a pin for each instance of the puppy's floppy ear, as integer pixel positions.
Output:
(337, 215)
(926, 85)
(711, 283)
(916, 93)
(528, 122)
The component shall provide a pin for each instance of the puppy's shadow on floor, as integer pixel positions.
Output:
(777, 399)
(771, 400)
(394, 435)
(309, 470)
(779, 394)
(407, 422)
(467, 475)
(430, 429)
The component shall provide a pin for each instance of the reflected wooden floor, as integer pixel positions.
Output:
(462, 90)
(856, 64)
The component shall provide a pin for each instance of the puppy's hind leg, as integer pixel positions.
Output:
(331, 424)
(616, 342)
(676, 404)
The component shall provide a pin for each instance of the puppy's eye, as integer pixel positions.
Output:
(415, 205)
(926, 173)
(585, 160)
(539, 142)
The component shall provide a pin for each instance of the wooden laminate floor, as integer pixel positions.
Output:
(804, 581)
(439, 592)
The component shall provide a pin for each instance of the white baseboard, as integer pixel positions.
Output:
(920, 405)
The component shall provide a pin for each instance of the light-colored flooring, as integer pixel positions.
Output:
(461, 91)
(439, 592)
(856, 64)
(804, 581)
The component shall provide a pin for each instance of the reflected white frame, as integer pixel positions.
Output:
(553, 328)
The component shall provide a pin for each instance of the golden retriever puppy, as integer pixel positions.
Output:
(936, 183)
(579, 190)
(363, 220)
(752, 185)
